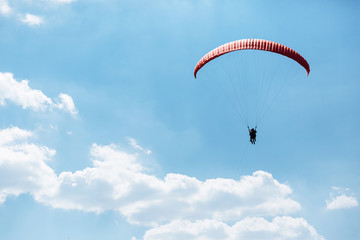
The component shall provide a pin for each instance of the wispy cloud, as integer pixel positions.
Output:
(28, 18)
(62, 1)
(32, 20)
(4, 7)
(136, 146)
(21, 94)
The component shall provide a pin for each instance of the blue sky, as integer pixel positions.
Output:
(105, 133)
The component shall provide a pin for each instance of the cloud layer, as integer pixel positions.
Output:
(117, 181)
(176, 206)
(22, 95)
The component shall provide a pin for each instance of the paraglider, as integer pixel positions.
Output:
(247, 44)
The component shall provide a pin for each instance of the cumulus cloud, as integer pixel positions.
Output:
(10, 135)
(117, 181)
(21, 94)
(23, 167)
(66, 103)
(32, 20)
(284, 228)
(175, 206)
(341, 201)
(339, 198)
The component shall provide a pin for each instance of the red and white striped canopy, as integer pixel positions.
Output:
(254, 44)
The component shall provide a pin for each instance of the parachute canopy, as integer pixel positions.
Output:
(254, 44)
(250, 80)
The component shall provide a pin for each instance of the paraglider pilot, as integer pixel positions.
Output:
(252, 133)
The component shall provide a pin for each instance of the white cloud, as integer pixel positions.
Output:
(117, 181)
(176, 206)
(4, 7)
(13, 134)
(43, 6)
(23, 167)
(341, 201)
(21, 94)
(32, 20)
(284, 228)
(66, 103)
(339, 198)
